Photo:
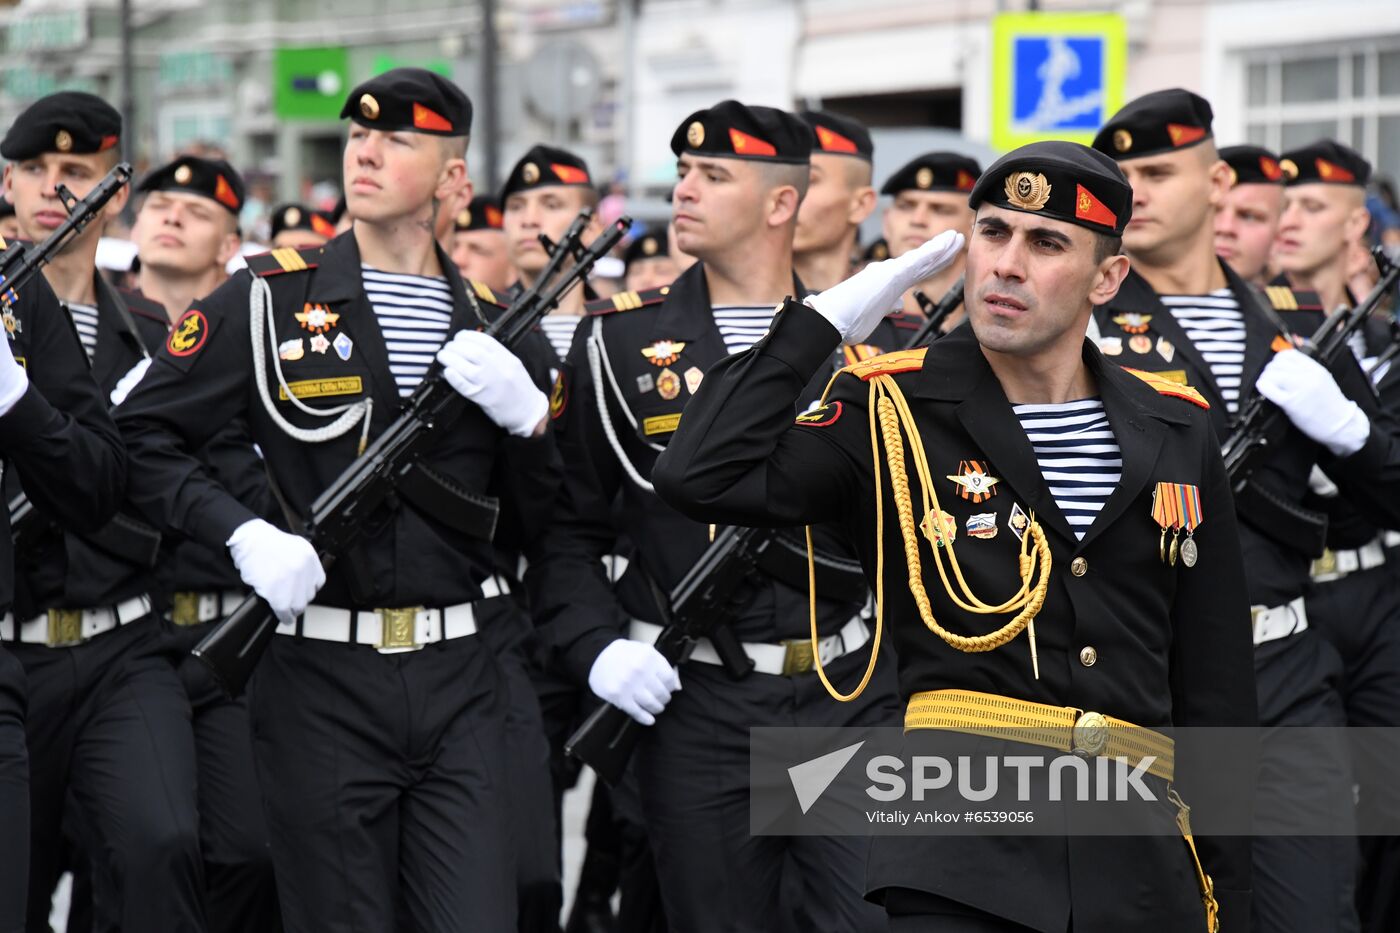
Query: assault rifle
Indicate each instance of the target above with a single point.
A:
(935, 314)
(347, 508)
(19, 263)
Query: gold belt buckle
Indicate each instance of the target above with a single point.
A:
(398, 628)
(797, 656)
(1324, 565)
(184, 609)
(1090, 734)
(65, 628)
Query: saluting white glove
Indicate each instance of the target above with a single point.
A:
(1312, 400)
(634, 677)
(128, 382)
(13, 379)
(856, 306)
(483, 370)
(282, 568)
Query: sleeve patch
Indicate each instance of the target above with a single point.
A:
(822, 416)
(188, 335)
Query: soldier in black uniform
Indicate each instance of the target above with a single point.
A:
(1120, 629)
(1184, 315)
(636, 361)
(186, 230)
(479, 244)
(108, 719)
(377, 732)
(929, 196)
(838, 200)
(1247, 219)
(9, 224)
(649, 263)
(298, 226)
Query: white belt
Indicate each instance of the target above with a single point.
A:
(1333, 565)
(188, 608)
(1279, 622)
(392, 630)
(1392, 538)
(64, 628)
(788, 658)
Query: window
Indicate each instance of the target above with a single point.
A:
(1350, 92)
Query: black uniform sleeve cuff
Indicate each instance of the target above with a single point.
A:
(1370, 460)
(29, 416)
(578, 658)
(801, 338)
(217, 523)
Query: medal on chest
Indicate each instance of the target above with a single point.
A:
(1176, 507)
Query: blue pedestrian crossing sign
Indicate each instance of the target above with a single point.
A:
(1055, 75)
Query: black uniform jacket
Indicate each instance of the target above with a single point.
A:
(1277, 565)
(1173, 644)
(204, 378)
(58, 440)
(644, 395)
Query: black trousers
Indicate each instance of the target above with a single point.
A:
(14, 796)
(1304, 884)
(110, 722)
(922, 912)
(693, 771)
(1359, 615)
(384, 782)
(240, 888)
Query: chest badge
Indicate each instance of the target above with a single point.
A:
(1133, 322)
(973, 481)
(343, 345)
(664, 352)
(1111, 346)
(291, 350)
(693, 377)
(12, 324)
(319, 344)
(1176, 507)
(1018, 521)
(982, 525)
(316, 318)
(1140, 344)
(668, 384)
(940, 528)
(1164, 347)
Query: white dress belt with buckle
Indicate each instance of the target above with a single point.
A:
(62, 628)
(790, 657)
(1392, 538)
(196, 608)
(1333, 565)
(393, 630)
(1279, 621)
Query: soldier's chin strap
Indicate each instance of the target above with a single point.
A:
(263, 332)
(889, 410)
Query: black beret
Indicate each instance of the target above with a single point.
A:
(878, 251)
(212, 178)
(839, 135)
(301, 217)
(647, 246)
(1252, 165)
(546, 167)
(935, 171)
(483, 213)
(413, 99)
(1162, 121)
(6, 208)
(1061, 180)
(731, 130)
(1326, 161)
(69, 121)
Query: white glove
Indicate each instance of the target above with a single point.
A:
(856, 306)
(634, 677)
(13, 379)
(281, 568)
(483, 370)
(128, 382)
(1311, 399)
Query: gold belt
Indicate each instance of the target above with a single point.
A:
(1065, 728)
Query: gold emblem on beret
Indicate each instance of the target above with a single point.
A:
(530, 173)
(1234, 176)
(292, 217)
(369, 107)
(1122, 140)
(464, 219)
(63, 141)
(924, 177)
(1027, 191)
(1288, 167)
(880, 252)
(695, 134)
(183, 175)
(649, 246)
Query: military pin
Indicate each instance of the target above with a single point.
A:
(693, 376)
(319, 344)
(343, 345)
(1017, 521)
(1164, 347)
(1133, 323)
(1172, 552)
(1111, 346)
(12, 324)
(982, 525)
(1189, 553)
(1140, 344)
(668, 384)
(291, 350)
(664, 352)
(646, 382)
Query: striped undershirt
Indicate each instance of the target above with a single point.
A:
(559, 328)
(742, 326)
(414, 313)
(1078, 456)
(85, 320)
(1215, 327)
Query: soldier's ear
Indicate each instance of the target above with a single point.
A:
(1108, 279)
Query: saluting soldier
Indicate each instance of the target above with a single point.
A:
(298, 226)
(636, 362)
(929, 196)
(378, 732)
(1186, 316)
(1246, 220)
(108, 719)
(1044, 464)
(479, 244)
(838, 200)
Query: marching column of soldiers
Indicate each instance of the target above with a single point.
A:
(1104, 318)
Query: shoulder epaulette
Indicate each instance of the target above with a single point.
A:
(1281, 297)
(901, 361)
(1167, 387)
(286, 259)
(905, 320)
(483, 292)
(627, 301)
(143, 306)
